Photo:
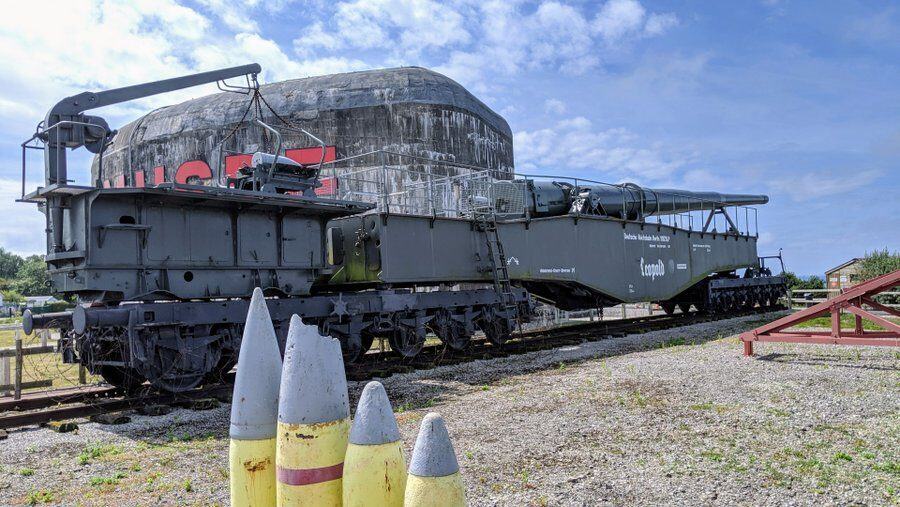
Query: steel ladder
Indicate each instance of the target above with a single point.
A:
(487, 223)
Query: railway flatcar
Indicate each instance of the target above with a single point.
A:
(395, 245)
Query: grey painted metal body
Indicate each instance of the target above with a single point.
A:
(433, 454)
(164, 273)
(177, 241)
(575, 261)
(374, 422)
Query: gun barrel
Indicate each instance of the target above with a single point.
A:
(627, 200)
(666, 200)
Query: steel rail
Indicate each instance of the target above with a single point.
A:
(71, 403)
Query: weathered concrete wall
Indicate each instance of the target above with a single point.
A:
(408, 110)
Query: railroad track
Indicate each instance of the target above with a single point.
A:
(70, 403)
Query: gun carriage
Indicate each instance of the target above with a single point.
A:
(163, 274)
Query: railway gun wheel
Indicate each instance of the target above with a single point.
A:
(718, 303)
(684, 307)
(669, 308)
(122, 376)
(745, 301)
(731, 302)
(179, 359)
(773, 298)
(353, 354)
(452, 333)
(220, 370)
(228, 357)
(407, 341)
(497, 331)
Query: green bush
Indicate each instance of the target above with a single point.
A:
(58, 306)
(877, 263)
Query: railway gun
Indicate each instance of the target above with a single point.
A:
(163, 274)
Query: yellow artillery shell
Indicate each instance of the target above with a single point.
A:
(310, 462)
(447, 491)
(252, 472)
(374, 475)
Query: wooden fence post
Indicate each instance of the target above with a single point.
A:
(5, 374)
(17, 388)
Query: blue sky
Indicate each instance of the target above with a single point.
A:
(798, 100)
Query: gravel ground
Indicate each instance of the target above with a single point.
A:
(669, 417)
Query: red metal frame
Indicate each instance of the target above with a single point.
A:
(850, 300)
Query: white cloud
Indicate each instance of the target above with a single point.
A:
(704, 179)
(816, 185)
(554, 106)
(622, 20)
(609, 155)
(657, 24)
(618, 18)
(276, 64)
(22, 226)
(234, 15)
(477, 39)
(410, 26)
(117, 44)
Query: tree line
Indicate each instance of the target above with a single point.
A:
(22, 276)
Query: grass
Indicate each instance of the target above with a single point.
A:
(96, 451)
(848, 321)
(40, 496)
(710, 406)
(7, 338)
(42, 366)
(108, 481)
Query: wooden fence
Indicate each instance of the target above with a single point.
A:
(12, 365)
(804, 298)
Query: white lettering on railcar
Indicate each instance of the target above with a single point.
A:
(653, 270)
(557, 271)
(655, 238)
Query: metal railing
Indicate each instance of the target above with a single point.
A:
(409, 184)
(804, 298)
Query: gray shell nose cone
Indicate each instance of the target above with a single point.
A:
(433, 454)
(313, 383)
(254, 406)
(374, 422)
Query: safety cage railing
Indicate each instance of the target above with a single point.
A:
(409, 184)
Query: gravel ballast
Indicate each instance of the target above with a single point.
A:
(669, 417)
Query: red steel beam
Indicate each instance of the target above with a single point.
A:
(850, 300)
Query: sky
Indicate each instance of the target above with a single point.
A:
(795, 99)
